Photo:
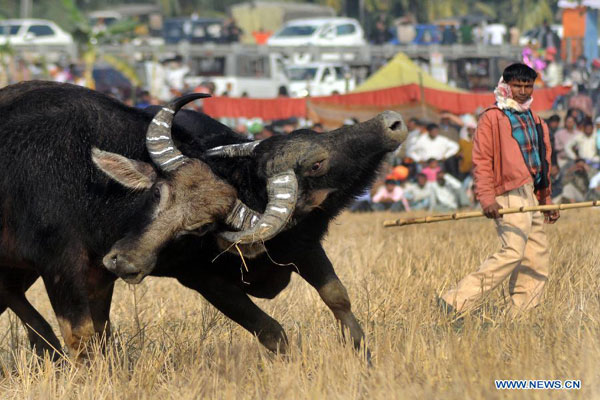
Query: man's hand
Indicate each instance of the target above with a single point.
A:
(551, 217)
(492, 211)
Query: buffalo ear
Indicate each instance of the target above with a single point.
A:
(133, 174)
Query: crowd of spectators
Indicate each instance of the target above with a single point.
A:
(432, 170)
(406, 30)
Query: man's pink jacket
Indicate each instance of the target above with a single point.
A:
(498, 163)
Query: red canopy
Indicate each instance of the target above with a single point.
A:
(456, 103)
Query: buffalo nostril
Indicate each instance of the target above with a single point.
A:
(396, 125)
(392, 120)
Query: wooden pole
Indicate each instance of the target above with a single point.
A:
(476, 214)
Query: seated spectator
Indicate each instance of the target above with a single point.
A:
(390, 196)
(576, 181)
(431, 170)
(318, 127)
(594, 189)
(419, 193)
(562, 137)
(433, 146)
(362, 203)
(144, 99)
(556, 183)
(583, 145)
(447, 194)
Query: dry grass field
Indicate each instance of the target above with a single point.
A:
(171, 344)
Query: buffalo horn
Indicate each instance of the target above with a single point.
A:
(233, 150)
(159, 142)
(282, 190)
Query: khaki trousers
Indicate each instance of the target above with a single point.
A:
(523, 256)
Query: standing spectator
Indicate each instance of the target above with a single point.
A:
(478, 34)
(494, 34)
(583, 145)
(390, 196)
(510, 171)
(380, 33)
(405, 30)
(465, 149)
(419, 193)
(547, 38)
(432, 145)
(553, 74)
(232, 32)
(562, 137)
(466, 33)
(594, 80)
(513, 35)
(415, 129)
(448, 128)
(579, 74)
(449, 35)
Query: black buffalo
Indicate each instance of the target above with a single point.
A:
(289, 188)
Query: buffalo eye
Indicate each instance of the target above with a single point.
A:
(316, 166)
(156, 192)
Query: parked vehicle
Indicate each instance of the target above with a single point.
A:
(197, 30)
(319, 32)
(268, 16)
(147, 18)
(237, 75)
(319, 79)
(23, 32)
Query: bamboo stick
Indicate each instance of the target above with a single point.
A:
(476, 214)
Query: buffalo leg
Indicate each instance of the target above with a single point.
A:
(235, 304)
(314, 266)
(41, 336)
(100, 285)
(69, 298)
(14, 284)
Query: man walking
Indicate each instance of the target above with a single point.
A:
(512, 158)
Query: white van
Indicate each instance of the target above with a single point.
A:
(319, 79)
(237, 74)
(23, 32)
(319, 32)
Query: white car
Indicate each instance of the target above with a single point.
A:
(19, 32)
(319, 32)
(319, 79)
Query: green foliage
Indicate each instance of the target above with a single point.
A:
(70, 14)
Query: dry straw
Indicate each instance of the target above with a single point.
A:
(476, 214)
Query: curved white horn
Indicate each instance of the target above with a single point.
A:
(283, 192)
(159, 141)
(233, 150)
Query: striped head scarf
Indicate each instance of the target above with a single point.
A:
(504, 98)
